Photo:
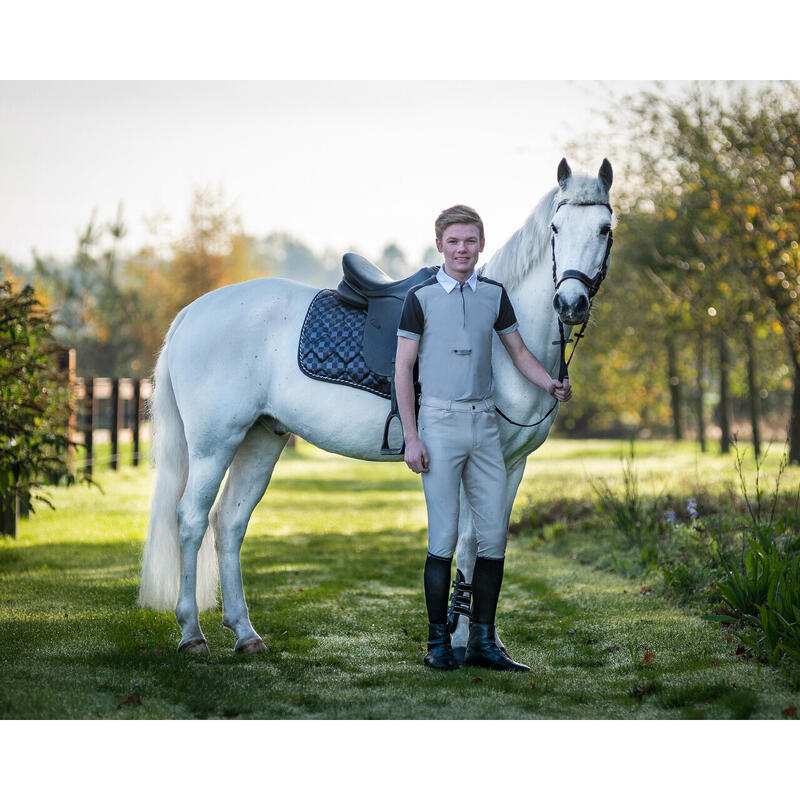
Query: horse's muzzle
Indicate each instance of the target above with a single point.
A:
(573, 312)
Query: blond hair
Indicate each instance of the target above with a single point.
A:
(455, 215)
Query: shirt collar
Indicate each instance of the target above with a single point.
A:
(448, 283)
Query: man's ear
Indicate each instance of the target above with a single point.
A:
(439, 246)
(483, 244)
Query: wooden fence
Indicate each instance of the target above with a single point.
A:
(110, 410)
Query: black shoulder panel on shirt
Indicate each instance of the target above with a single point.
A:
(430, 282)
(489, 280)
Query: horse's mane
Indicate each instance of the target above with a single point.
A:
(512, 262)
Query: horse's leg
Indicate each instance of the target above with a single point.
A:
(467, 551)
(247, 481)
(202, 484)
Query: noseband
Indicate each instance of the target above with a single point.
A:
(593, 286)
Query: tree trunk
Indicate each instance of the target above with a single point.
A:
(724, 394)
(752, 389)
(9, 512)
(701, 413)
(674, 389)
(794, 424)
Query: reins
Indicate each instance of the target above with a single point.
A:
(593, 286)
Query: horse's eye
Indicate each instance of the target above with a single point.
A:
(605, 230)
(553, 228)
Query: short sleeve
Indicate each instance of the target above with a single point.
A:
(506, 321)
(412, 320)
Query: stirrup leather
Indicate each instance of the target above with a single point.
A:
(460, 601)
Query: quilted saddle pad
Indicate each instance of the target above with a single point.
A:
(332, 343)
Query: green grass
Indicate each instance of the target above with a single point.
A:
(332, 566)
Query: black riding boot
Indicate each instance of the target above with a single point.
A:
(437, 584)
(482, 649)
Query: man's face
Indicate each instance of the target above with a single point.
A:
(461, 245)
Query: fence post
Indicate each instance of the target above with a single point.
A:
(136, 412)
(114, 423)
(67, 362)
(88, 423)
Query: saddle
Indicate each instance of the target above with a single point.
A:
(364, 285)
(350, 335)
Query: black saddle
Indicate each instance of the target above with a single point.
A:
(366, 286)
(362, 280)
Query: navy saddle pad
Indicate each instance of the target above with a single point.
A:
(332, 345)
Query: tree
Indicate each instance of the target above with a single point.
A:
(93, 309)
(212, 252)
(712, 215)
(34, 402)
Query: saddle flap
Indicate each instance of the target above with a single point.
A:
(380, 334)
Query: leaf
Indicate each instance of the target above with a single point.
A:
(478, 680)
(791, 711)
(648, 658)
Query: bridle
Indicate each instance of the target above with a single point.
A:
(592, 286)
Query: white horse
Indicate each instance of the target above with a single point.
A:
(228, 392)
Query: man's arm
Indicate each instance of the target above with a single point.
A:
(527, 363)
(416, 456)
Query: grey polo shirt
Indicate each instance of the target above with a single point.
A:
(453, 323)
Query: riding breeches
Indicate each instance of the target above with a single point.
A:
(463, 444)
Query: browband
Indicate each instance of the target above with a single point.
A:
(571, 203)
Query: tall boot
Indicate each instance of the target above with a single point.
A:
(437, 584)
(482, 649)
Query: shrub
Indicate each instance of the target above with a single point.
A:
(34, 401)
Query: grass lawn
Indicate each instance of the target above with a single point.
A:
(332, 568)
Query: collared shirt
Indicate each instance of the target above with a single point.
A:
(449, 283)
(454, 328)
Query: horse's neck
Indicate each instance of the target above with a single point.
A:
(525, 272)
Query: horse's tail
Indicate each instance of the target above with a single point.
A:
(161, 563)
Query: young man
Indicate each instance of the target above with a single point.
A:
(447, 322)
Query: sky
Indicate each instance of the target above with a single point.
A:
(340, 125)
(341, 165)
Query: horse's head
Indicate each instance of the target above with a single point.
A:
(580, 240)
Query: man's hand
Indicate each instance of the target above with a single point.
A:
(561, 391)
(416, 456)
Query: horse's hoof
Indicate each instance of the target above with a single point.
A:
(195, 646)
(459, 653)
(251, 646)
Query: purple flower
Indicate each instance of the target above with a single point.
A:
(691, 508)
(670, 517)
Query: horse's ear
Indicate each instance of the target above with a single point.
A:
(564, 172)
(606, 174)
